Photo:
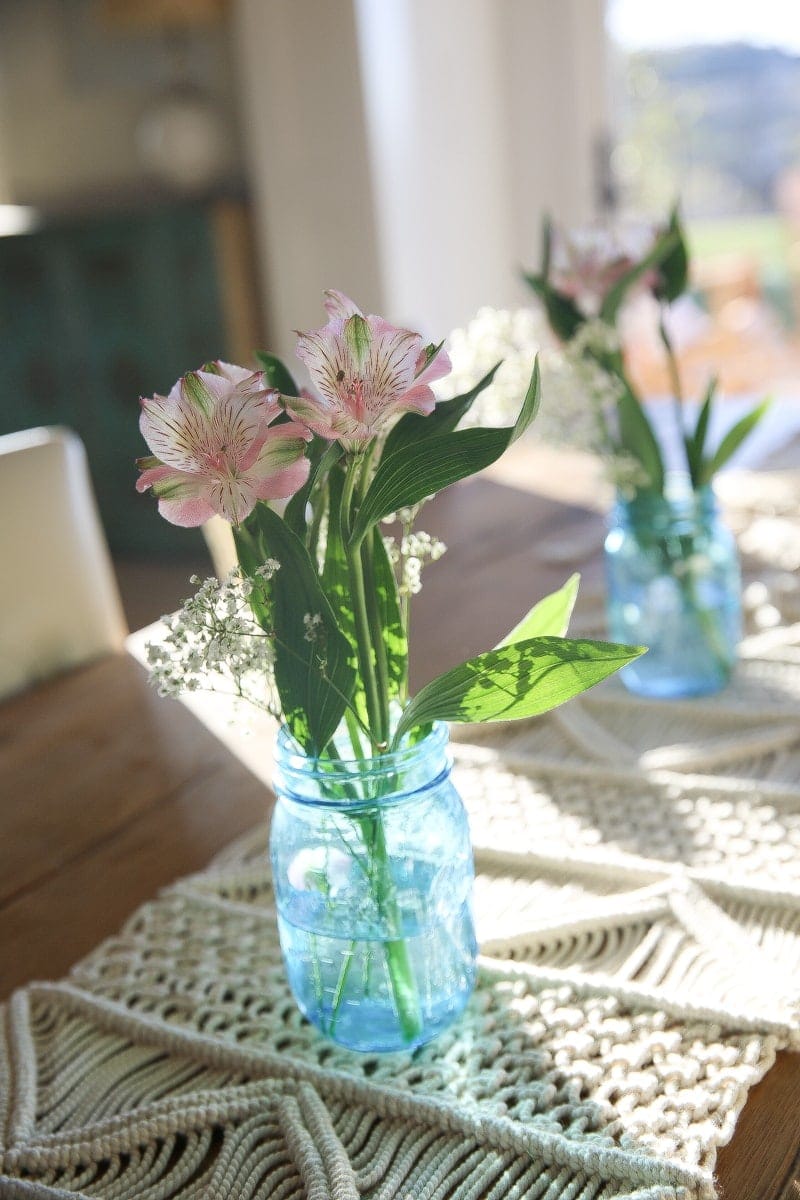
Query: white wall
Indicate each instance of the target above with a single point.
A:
(481, 116)
(557, 97)
(306, 147)
(405, 150)
(433, 81)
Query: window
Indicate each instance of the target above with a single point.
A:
(706, 101)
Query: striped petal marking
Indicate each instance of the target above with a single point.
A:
(365, 371)
(214, 450)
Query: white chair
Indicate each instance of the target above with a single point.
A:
(59, 602)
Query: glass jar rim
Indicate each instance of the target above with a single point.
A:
(296, 769)
(678, 502)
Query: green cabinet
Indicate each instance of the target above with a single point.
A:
(95, 314)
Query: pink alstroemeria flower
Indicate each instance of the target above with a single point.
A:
(588, 261)
(366, 373)
(215, 451)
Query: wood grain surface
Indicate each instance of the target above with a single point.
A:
(108, 792)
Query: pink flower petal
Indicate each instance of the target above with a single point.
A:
(339, 305)
(232, 499)
(233, 373)
(281, 467)
(419, 398)
(313, 413)
(155, 474)
(284, 483)
(234, 425)
(254, 385)
(282, 446)
(327, 357)
(171, 430)
(188, 512)
(180, 495)
(365, 371)
(438, 367)
(203, 390)
(177, 427)
(393, 357)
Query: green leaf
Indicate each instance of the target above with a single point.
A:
(422, 469)
(701, 425)
(548, 618)
(673, 270)
(336, 582)
(431, 350)
(637, 438)
(520, 680)
(276, 373)
(691, 460)
(661, 250)
(323, 455)
(562, 312)
(314, 678)
(380, 580)
(732, 441)
(392, 630)
(547, 247)
(444, 418)
(695, 443)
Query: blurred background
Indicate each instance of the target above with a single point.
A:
(181, 179)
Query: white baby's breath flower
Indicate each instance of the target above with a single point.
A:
(214, 642)
(392, 549)
(510, 337)
(312, 623)
(411, 582)
(267, 569)
(578, 399)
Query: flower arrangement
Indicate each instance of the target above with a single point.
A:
(314, 623)
(585, 278)
(671, 565)
(320, 581)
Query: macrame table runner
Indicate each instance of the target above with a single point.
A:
(638, 903)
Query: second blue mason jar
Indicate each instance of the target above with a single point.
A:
(674, 585)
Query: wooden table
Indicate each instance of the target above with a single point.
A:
(108, 792)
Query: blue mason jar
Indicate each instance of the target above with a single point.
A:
(673, 584)
(372, 869)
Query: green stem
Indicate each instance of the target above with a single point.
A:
(352, 723)
(677, 390)
(405, 604)
(358, 597)
(679, 552)
(378, 643)
(708, 621)
(369, 642)
(312, 534)
(401, 972)
(318, 989)
(338, 995)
